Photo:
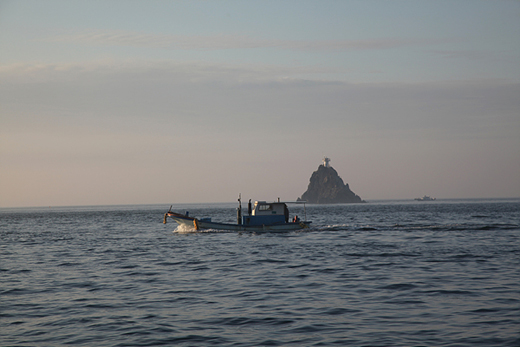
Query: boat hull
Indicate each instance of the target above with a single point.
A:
(195, 224)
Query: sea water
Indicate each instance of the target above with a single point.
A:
(387, 273)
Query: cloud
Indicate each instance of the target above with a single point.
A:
(193, 70)
(212, 99)
(224, 42)
(467, 55)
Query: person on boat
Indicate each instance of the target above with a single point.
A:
(249, 209)
(296, 219)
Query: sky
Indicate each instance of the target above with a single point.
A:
(159, 102)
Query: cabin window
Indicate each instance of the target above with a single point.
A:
(265, 208)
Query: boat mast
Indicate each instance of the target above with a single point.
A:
(239, 209)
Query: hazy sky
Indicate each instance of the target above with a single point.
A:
(135, 102)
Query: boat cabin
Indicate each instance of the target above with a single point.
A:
(267, 213)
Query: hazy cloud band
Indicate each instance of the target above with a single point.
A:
(223, 42)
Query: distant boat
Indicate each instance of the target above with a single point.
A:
(263, 216)
(425, 198)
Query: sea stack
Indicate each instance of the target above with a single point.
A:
(326, 187)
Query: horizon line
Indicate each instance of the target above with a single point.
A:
(233, 202)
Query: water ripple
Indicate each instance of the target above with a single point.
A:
(396, 274)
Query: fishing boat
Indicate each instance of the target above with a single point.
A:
(262, 216)
(425, 198)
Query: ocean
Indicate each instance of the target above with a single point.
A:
(384, 273)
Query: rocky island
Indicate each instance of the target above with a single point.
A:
(326, 187)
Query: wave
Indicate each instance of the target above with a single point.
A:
(183, 229)
(420, 227)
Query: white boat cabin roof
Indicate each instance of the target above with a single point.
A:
(262, 208)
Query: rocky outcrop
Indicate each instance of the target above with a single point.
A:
(326, 187)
